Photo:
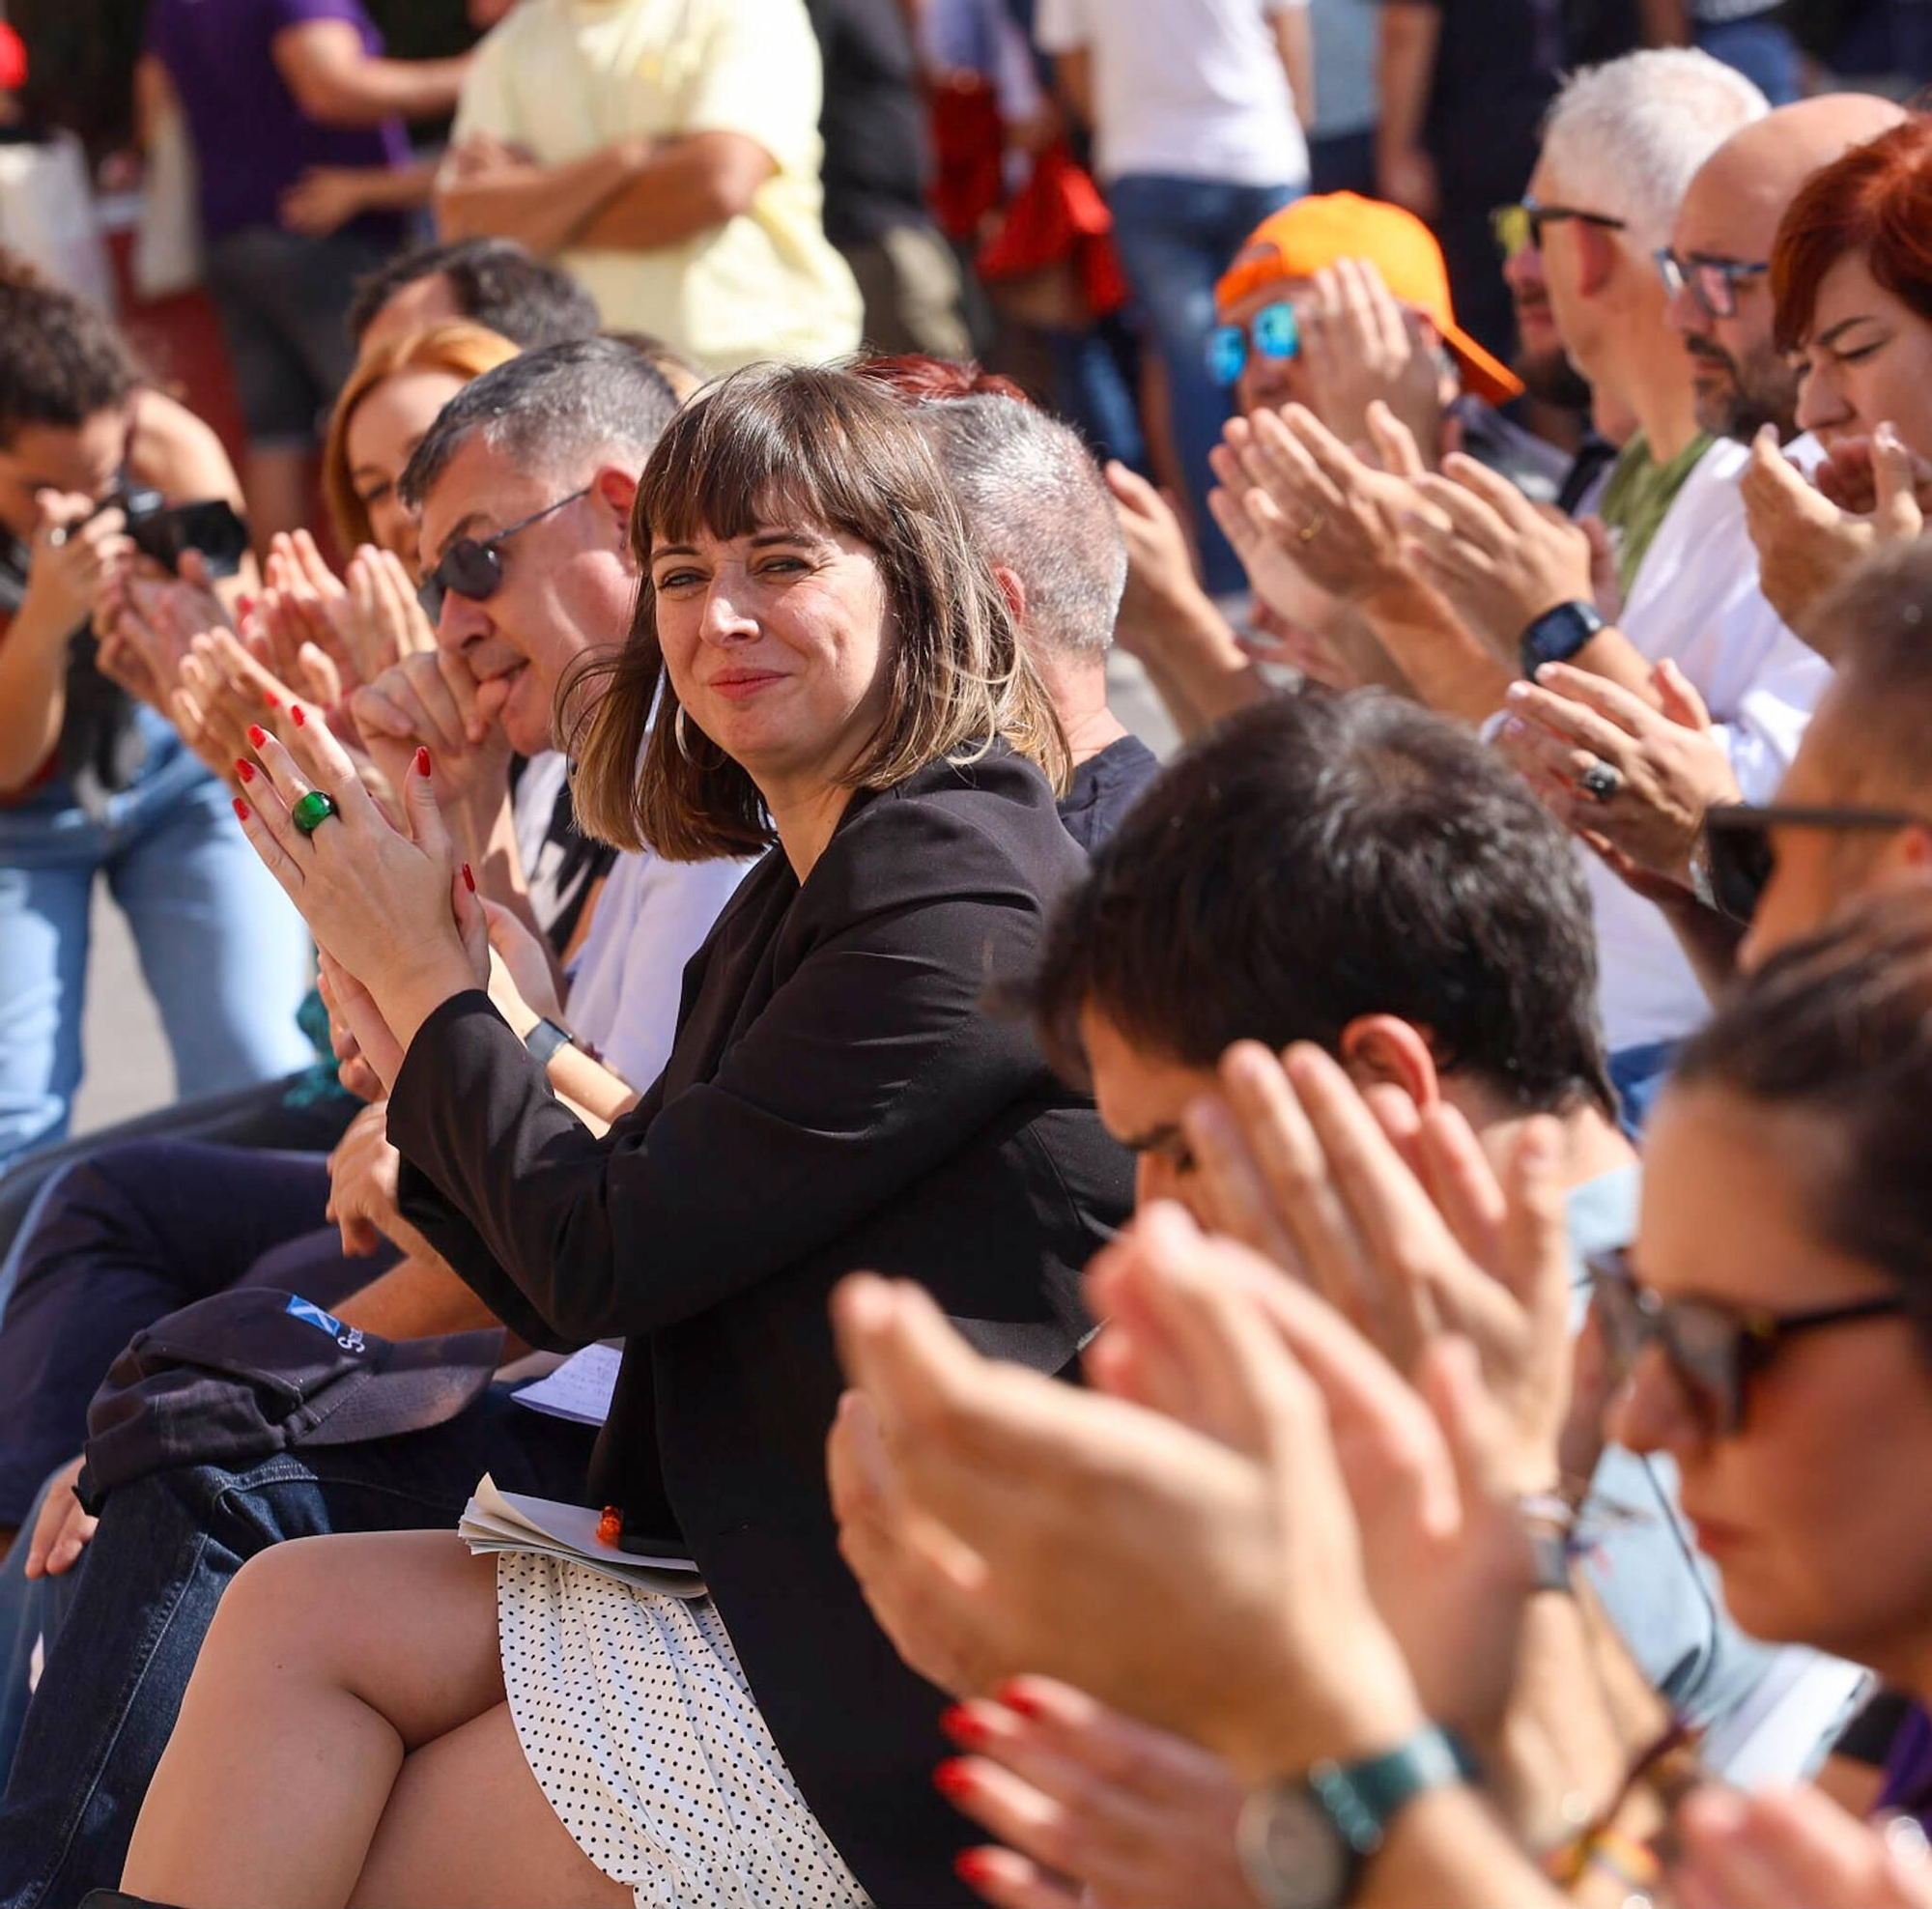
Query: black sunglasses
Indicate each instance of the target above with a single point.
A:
(1522, 224)
(473, 567)
(1741, 854)
(1713, 282)
(1712, 1350)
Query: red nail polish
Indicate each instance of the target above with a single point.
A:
(973, 1865)
(256, 735)
(962, 1726)
(244, 606)
(240, 810)
(469, 881)
(271, 698)
(245, 769)
(422, 761)
(952, 1779)
(296, 710)
(1020, 1700)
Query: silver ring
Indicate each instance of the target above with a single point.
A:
(1600, 781)
(57, 536)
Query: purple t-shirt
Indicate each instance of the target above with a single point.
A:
(1908, 1769)
(251, 140)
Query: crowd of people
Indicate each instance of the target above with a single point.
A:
(1338, 1318)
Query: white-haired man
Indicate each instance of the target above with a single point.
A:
(1623, 143)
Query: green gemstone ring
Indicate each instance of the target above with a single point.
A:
(312, 811)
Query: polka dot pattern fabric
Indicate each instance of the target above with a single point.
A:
(644, 1735)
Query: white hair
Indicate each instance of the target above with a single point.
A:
(1626, 138)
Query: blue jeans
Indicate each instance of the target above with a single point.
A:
(1175, 238)
(30, 1611)
(129, 1236)
(225, 955)
(146, 1593)
(1761, 49)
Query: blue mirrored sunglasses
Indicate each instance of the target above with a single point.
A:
(1275, 332)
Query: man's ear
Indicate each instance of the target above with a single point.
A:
(1596, 257)
(1014, 590)
(1386, 1049)
(614, 491)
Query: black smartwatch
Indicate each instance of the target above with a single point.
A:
(546, 1039)
(1305, 1844)
(1557, 634)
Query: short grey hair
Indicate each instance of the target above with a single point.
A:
(549, 408)
(1627, 137)
(1037, 504)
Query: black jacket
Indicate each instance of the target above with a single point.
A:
(837, 1099)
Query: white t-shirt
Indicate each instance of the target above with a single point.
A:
(1696, 600)
(628, 978)
(1185, 89)
(568, 77)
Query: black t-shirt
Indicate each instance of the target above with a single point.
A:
(1498, 63)
(873, 120)
(1104, 789)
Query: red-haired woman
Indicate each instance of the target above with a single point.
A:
(1852, 273)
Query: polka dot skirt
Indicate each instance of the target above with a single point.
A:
(644, 1735)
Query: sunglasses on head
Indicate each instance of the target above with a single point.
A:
(1522, 224)
(1712, 1350)
(1741, 851)
(1711, 282)
(1276, 333)
(473, 567)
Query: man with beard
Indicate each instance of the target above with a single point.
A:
(1718, 265)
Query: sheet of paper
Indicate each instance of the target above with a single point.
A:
(580, 1389)
(495, 1520)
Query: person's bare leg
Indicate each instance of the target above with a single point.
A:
(328, 1660)
(275, 483)
(468, 1828)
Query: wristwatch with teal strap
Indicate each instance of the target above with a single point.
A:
(1304, 1844)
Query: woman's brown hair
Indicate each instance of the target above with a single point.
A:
(820, 446)
(458, 347)
(1838, 1028)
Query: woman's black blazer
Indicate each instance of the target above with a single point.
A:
(837, 1098)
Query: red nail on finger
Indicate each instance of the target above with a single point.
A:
(296, 710)
(271, 698)
(469, 881)
(422, 761)
(962, 1726)
(256, 735)
(245, 769)
(953, 1779)
(240, 810)
(973, 1865)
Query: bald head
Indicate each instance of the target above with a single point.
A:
(1730, 217)
(1739, 193)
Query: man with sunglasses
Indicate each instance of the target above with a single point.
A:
(1716, 267)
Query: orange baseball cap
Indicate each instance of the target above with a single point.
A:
(1299, 240)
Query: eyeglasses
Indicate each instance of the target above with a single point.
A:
(1712, 1350)
(473, 568)
(1711, 282)
(1740, 853)
(1522, 224)
(1276, 333)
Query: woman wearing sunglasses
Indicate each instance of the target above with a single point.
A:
(821, 667)
(1774, 1320)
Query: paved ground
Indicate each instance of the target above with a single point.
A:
(128, 1067)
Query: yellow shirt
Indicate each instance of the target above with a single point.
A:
(568, 77)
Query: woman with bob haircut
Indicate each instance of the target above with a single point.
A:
(386, 404)
(1851, 271)
(823, 669)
